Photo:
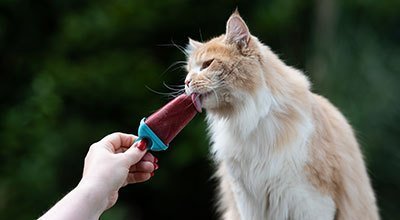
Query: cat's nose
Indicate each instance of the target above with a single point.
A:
(187, 82)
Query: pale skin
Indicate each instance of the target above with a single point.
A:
(110, 164)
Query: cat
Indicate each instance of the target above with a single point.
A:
(282, 152)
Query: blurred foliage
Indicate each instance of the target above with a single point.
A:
(73, 71)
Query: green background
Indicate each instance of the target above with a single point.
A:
(72, 71)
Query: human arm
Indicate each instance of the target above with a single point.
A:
(110, 164)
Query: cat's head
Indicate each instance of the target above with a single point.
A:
(226, 70)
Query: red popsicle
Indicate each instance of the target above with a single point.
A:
(168, 121)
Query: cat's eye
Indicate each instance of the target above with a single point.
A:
(206, 64)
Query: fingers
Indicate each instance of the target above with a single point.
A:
(134, 154)
(143, 170)
(115, 141)
(150, 157)
(138, 177)
(143, 166)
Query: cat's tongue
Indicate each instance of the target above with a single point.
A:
(196, 101)
(168, 121)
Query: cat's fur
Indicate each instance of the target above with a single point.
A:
(282, 151)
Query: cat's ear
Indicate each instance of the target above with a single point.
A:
(237, 31)
(193, 45)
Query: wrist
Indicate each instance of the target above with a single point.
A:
(94, 194)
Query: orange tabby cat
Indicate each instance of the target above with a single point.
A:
(282, 151)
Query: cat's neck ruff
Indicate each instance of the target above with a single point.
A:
(244, 119)
(254, 123)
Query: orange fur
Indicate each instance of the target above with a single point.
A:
(242, 65)
(336, 165)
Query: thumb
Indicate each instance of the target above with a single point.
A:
(135, 153)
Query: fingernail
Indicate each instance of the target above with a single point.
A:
(142, 145)
(155, 166)
(155, 159)
(152, 174)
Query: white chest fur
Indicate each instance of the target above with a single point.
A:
(266, 183)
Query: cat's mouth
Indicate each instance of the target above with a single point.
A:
(197, 100)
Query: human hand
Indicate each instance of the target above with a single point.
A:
(114, 162)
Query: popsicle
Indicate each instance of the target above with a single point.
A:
(160, 128)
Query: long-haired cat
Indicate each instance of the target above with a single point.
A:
(282, 151)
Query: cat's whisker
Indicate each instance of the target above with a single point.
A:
(180, 48)
(222, 79)
(179, 88)
(208, 81)
(166, 94)
(176, 65)
(216, 95)
(201, 35)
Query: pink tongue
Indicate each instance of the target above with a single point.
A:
(196, 101)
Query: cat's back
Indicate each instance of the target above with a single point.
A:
(336, 164)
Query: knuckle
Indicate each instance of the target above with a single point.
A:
(111, 136)
(116, 134)
(93, 146)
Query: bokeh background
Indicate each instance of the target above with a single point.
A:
(72, 71)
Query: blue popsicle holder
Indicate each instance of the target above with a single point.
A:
(154, 142)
